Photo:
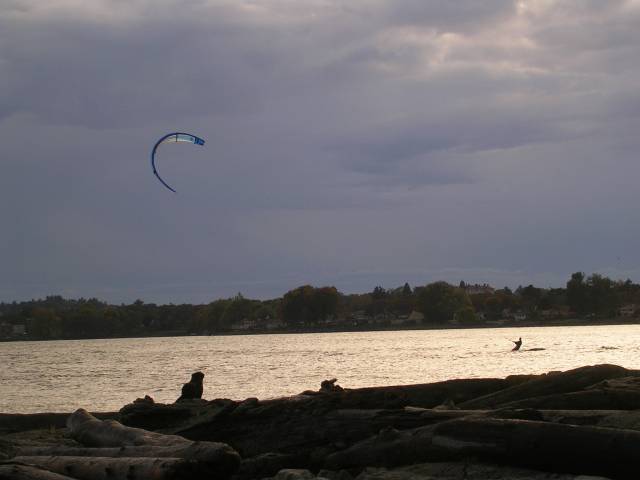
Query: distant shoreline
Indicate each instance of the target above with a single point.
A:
(367, 328)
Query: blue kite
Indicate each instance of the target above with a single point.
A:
(175, 137)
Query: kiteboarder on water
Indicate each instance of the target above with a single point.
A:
(518, 344)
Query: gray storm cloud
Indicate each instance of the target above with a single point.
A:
(347, 144)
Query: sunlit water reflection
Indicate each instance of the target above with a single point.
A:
(103, 375)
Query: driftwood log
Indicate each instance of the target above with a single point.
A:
(19, 422)
(26, 472)
(426, 395)
(299, 428)
(430, 395)
(298, 425)
(88, 430)
(591, 399)
(208, 452)
(557, 383)
(101, 468)
(119, 452)
(463, 471)
(546, 446)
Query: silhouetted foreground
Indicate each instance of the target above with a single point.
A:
(559, 425)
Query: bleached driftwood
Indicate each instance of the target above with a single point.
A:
(88, 430)
(14, 471)
(211, 452)
(143, 450)
(122, 468)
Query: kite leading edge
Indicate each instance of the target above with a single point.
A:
(175, 137)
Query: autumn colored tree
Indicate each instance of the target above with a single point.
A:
(307, 304)
(439, 302)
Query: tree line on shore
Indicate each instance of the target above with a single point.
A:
(307, 307)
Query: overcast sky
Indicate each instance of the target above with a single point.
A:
(348, 143)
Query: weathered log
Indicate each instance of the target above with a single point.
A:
(426, 395)
(547, 446)
(155, 416)
(122, 468)
(609, 398)
(267, 465)
(7, 449)
(294, 474)
(137, 443)
(303, 430)
(181, 417)
(464, 471)
(201, 451)
(160, 416)
(14, 471)
(218, 455)
(91, 432)
(625, 419)
(19, 422)
(550, 384)
(300, 424)
(570, 417)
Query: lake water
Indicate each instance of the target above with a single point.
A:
(103, 375)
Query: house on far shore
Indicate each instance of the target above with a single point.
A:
(629, 310)
(360, 317)
(9, 331)
(244, 324)
(416, 316)
(502, 321)
(274, 324)
(478, 289)
(5, 329)
(519, 316)
(554, 313)
(19, 330)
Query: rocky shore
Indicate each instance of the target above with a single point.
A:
(579, 424)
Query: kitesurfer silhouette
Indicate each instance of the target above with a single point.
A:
(518, 344)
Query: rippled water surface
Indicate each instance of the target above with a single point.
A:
(103, 375)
